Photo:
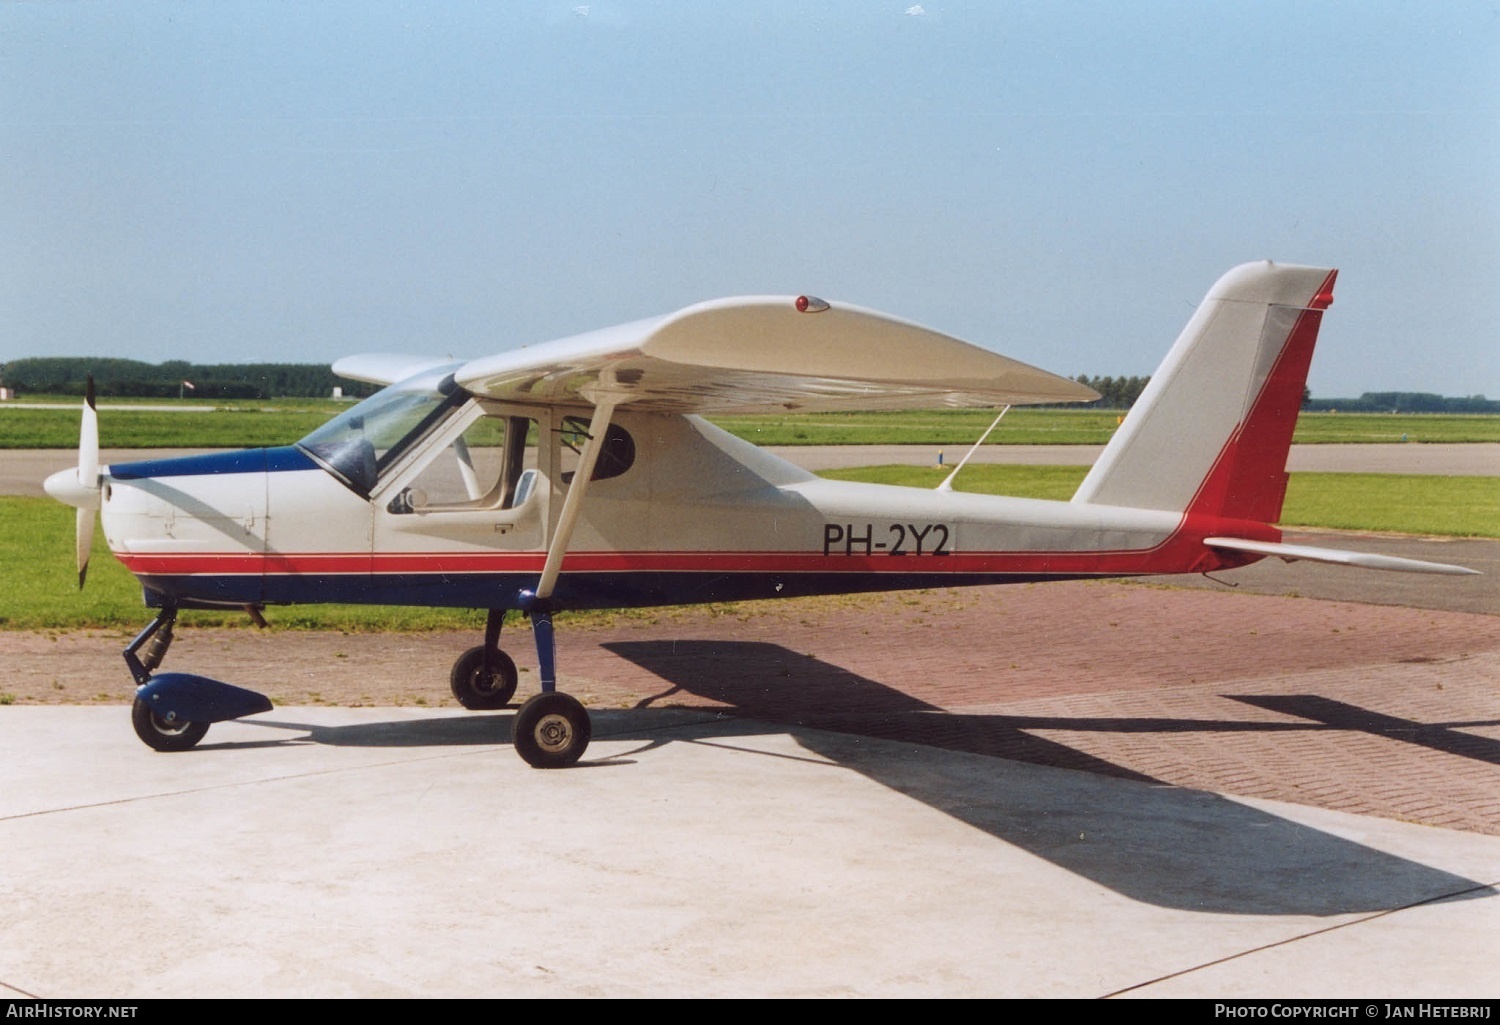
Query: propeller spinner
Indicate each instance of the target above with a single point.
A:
(80, 487)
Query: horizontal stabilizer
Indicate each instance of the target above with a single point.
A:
(1339, 557)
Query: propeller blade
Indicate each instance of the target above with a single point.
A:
(81, 488)
(88, 477)
(85, 542)
(88, 438)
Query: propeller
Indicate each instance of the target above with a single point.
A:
(80, 487)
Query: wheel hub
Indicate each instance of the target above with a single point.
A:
(168, 724)
(553, 732)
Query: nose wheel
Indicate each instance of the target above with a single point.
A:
(164, 733)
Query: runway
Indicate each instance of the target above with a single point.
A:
(1477, 460)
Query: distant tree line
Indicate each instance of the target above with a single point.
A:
(1114, 392)
(128, 377)
(1121, 393)
(1404, 402)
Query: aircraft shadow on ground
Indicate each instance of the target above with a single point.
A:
(448, 731)
(1446, 737)
(1150, 841)
(1156, 843)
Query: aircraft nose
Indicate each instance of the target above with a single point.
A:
(65, 486)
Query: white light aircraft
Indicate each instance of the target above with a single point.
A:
(579, 474)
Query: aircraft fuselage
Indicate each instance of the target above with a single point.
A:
(696, 516)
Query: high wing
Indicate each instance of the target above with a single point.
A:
(756, 354)
(385, 367)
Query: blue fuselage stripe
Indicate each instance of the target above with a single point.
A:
(250, 460)
(574, 590)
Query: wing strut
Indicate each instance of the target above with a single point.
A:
(539, 607)
(947, 484)
(466, 469)
(598, 426)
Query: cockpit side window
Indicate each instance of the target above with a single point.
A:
(490, 466)
(616, 455)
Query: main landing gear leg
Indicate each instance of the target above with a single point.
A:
(485, 677)
(552, 729)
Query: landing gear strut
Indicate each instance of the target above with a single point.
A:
(156, 639)
(552, 729)
(160, 732)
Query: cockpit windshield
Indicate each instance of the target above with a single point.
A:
(358, 444)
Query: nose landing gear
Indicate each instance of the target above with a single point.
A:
(173, 711)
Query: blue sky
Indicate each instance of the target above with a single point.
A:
(1060, 182)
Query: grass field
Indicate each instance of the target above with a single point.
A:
(1079, 427)
(36, 543)
(248, 424)
(230, 426)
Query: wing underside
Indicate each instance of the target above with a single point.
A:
(765, 354)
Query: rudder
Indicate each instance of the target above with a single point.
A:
(1209, 436)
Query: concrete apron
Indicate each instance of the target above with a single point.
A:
(408, 852)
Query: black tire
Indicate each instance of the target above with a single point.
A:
(480, 691)
(161, 735)
(551, 731)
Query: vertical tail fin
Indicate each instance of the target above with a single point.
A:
(1210, 434)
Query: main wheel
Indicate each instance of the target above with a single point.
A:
(162, 734)
(479, 690)
(551, 730)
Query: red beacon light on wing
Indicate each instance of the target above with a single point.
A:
(810, 304)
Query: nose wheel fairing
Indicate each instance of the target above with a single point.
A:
(174, 710)
(178, 697)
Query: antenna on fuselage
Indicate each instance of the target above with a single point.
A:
(947, 484)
